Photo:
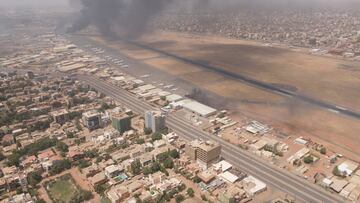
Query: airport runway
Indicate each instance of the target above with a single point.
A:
(249, 163)
(256, 83)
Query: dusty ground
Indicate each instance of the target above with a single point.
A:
(81, 181)
(333, 80)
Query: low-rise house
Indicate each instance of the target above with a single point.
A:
(118, 194)
(253, 185)
(45, 155)
(159, 143)
(28, 161)
(113, 171)
(229, 177)
(75, 154)
(231, 192)
(207, 176)
(348, 167)
(90, 171)
(98, 179)
(3, 185)
(146, 159)
(9, 149)
(7, 140)
(20, 198)
(338, 184)
(61, 116)
(347, 190)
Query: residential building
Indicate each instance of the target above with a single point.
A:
(98, 179)
(154, 120)
(205, 153)
(61, 116)
(121, 122)
(113, 171)
(92, 119)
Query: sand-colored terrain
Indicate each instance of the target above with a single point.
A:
(328, 79)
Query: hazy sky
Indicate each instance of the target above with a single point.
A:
(33, 3)
(271, 3)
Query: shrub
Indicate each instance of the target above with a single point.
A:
(181, 187)
(179, 198)
(323, 150)
(174, 154)
(147, 131)
(60, 166)
(34, 178)
(190, 192)
(196, 179)
(62, 147)
(140, 141)
(156, 136)
(168, 163)
(308, 159)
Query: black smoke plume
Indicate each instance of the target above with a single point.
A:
(118, 17)
(126, 18)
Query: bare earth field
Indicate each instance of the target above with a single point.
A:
(328, 79)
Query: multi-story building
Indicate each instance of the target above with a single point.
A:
(121, 122)
(92, 119)
(60, 116)
(205, 153)
(154, 120)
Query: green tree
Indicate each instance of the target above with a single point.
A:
(232, 200)
(60, 166)
(62, 147)
(100, 189)
(140, 141)
(308, 159)
(190, 192)
(163, 156)
(156, 136)
(196, 179)
(174, 154)
(147, 170)
(31, 149)
(179, 198)
(34, 178)
(92, 153)
(83, 164)
(155, 167)
(323, 150)
(168, 163)
(182, 187)
(70, 135)
(147, 131)
(136, 167)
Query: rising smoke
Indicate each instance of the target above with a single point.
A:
(130, 18)
(126, 18)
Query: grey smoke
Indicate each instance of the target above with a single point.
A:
(130, 18)
(118, 17)
(123, 17)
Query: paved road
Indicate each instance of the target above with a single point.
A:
(249, 163)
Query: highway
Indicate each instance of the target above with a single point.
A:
(247, 162)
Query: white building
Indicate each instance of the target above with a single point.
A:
(154, 120)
